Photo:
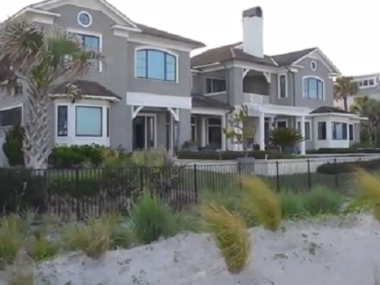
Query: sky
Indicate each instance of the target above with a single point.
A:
(345, 31)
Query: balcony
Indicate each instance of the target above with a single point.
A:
(256, 99)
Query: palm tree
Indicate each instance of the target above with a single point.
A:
(343, 88)
(39, 58)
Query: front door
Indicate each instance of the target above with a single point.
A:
(144, 132)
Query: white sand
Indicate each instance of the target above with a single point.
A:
(337, 251)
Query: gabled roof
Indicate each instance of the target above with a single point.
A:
(86, 87)
(202, 101)
(235, 52)
(227, 53)
(139, 27)
(289, 58)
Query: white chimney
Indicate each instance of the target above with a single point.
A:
(253, 32)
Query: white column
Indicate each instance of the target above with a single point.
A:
(271, 123)
(262, 131)
(203, 131)
(348, 135)
(224, 125)
(303, 143)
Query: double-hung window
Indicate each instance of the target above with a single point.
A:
(339, 131)
(313, 88)
(156, 65)
(92, 43)
(282, 86)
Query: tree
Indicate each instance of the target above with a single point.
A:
(39, 58)
(370, 108)
(285, 137)
(241, 128)
(343, 88)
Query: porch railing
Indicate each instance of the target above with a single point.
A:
(256, 99)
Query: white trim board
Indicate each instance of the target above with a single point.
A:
(323, 58)
(157, 100)
(208, 111)
(279, 110)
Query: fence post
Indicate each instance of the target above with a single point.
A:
(308, 174)
(195, 183)
(278, 176)
(336, 174)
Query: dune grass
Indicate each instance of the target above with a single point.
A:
(368, 186)
(230, 234)
(262, 201)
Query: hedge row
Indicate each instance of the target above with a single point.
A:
(348, 167)
(344, 150)
(231, 155)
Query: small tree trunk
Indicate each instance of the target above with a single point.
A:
(36, 143)
(345, 104)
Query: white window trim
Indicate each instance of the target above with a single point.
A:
(347, 130)
(281, 121)
(163, 50)
(151, 115)
(214, 125)
(353, 132)
(311, 65)
(279, 85)
(88, 33)
(214, 93)
(318, 78)
(71, 138)
(14, 107)
(89, 16)
(310, 129)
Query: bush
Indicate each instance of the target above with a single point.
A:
(230, 234)
(262, 201)
(75, 155)
(12, 146)
(230, 155)
(151, 219)
(40, 248)
(348, 166)
(292, 205)
(352, 150)
(322, 200)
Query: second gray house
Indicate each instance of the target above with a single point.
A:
(152, 93)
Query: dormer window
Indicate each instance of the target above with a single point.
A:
(156, 64)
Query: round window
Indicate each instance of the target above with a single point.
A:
(84, 19)
(313, 65)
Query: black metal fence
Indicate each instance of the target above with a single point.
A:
(76, 193)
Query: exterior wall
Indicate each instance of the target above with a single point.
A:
(322, 73)
(256, 84)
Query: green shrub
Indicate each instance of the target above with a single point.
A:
(292, 205)
(322, 200)
(12, 146)
(151, 219)
(75, 155)
(348, 166)
(230, 155)
(352, 150)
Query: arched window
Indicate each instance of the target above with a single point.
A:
(156, 64)
(313, 88)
